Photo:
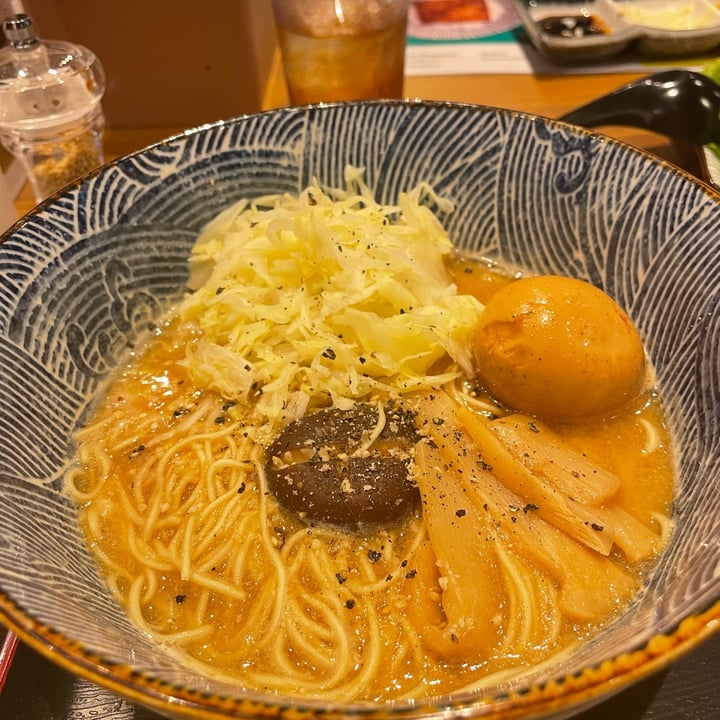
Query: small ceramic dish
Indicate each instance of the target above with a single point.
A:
(597, 29)
(576, 31)
(672, 27)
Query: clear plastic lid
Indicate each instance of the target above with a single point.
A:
(48, 83)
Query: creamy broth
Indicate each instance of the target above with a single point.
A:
(175, 505)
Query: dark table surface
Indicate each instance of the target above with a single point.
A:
(36, 689)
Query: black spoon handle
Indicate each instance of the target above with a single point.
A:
(678, 103)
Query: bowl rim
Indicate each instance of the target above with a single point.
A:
(408, 102)
(573, 691)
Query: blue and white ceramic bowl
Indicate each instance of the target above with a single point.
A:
(83, 272)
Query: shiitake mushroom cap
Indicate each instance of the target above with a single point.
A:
(322, 469)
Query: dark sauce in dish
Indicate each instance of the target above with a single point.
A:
(573, 26)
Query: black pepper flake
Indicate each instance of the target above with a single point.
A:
(179, 412)
(139, 449)
(241, 489)
(180, 599)
(329, 353)
(410, 574)
(404, 563)
(460, 513)
(374, 555)
(280, 536)
(438, 421)
(362, 360)
(596, 527)
(454, 638)
(388, 578)
(219, 290)
(513, 518)
(533, 427)
(311, 199)
(341, 577)
(220, 420)
(350, 604)
(530, 507)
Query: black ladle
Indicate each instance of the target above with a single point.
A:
(681, 104)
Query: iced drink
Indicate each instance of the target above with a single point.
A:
(342, 49)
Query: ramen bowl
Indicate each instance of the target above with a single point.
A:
(83, 274)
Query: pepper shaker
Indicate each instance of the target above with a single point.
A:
(51, 116)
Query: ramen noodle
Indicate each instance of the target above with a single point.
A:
(315, 478)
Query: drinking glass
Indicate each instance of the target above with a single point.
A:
(342, 49)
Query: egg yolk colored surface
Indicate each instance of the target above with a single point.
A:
(558, 348)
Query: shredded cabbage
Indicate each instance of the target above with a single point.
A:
(324, 298)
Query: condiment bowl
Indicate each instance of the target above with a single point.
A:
(83, 274)
(585, 32)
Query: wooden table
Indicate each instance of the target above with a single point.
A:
(550, 96)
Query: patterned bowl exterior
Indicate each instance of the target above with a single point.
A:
(83, 272)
